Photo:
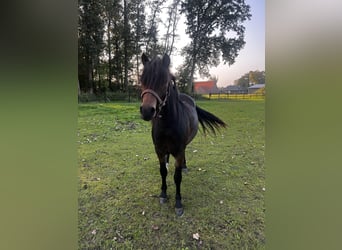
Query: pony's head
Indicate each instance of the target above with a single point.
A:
(155, 83)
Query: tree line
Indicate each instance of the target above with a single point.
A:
(112, 34)
(250, 78)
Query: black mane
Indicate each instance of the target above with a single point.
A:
(155, 74)
(172, 107)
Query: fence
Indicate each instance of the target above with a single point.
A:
(135, 96)
(109, 97)
(228, 96)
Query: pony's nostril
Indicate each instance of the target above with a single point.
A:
(147, 113)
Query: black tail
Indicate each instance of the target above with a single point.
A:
(208, 120)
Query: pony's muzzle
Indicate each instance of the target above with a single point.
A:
(147, 113)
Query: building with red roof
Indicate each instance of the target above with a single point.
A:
(205, 87)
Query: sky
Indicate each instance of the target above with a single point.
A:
(251, 57)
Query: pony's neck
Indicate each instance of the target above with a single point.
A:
(171, 110)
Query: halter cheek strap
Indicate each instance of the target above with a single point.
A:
(150, 91)
(160, 103)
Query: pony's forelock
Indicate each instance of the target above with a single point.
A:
(155, 75)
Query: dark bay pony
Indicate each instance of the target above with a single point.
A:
(174, 117)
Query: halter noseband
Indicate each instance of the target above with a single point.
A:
(160, 103)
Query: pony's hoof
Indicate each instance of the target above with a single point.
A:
(179, 211)
(162, 200)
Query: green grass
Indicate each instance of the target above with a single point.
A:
(119, 182)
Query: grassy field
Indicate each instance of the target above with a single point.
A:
(119, 182)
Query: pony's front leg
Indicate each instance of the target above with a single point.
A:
(178, 180)
(163, 174)
(167, 158)
(184, 167)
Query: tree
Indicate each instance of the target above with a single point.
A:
(90, 43)
(118, 55)
(243, 81)
(137, 18)
(183, 76)
(126, 36)
(171, 27)
(259, 77)
(152, 46)
(111, 16)
(111, 35)
(215, 29)
(250, 78)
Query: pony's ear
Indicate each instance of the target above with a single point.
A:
(166, 60)
(144, 58)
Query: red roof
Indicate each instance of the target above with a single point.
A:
(205, 87)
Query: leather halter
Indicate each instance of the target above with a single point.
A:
(160, 103)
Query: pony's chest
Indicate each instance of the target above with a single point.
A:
(167, 133)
